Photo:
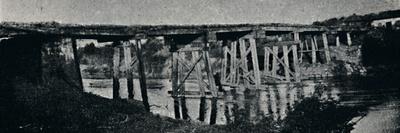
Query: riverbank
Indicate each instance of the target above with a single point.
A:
(64, 109)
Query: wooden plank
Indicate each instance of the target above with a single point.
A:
(348, 39)
(315, 42)
(128, 68)
(233, 62)
(337, 41)
(266, 61)
(77, 62)
(214, 91)
(279, 60)
(181, 81)
(199, 76)
(296, 36)
(256, 67)
(286, 61)
(174, 80)
(189, 49)
(313, 52)
(116, 61)
(142, 76)
(326, 48)
(301, 54)
(243, 59)
(198, 72)
(274, 61)
(306, 51)
(296, 64)
(306, 41)
(224, 64)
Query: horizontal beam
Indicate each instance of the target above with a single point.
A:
(11, 28)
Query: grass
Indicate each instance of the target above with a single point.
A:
(65, 109)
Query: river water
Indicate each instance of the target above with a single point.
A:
(383, 104)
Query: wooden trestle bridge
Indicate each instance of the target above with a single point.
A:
(253, 54)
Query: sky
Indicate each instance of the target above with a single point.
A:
(155, 12)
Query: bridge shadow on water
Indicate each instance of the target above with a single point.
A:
(329, 105)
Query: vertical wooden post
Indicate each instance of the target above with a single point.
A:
(315, 42)
(313, 52)
(266, 61)
(243, 59)
(257, 76)
(175, 78)
(326, 48)
(296, 64)
(297, 38)
(214, 91)
(77, 62)
(286, 61)
(128, 68)
(306, 42)
(274, 61)
(348, 38)
(233, 62)
(182, 96)
(116, 60)
(224, 63)
(337, 40)
(256, 68)
(199, 77)
(142, 76)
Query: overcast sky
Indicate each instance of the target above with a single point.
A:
(126, 12)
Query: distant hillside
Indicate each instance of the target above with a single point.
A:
(361, 20)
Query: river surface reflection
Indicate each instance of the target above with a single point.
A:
(383, 104)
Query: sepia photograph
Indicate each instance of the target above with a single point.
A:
(199, 66)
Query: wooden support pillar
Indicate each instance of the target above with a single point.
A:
(296, 36)
(116, 61)
(297, 39)
(243, 59)
(275, 66)
(77, 62)
(315, 42)
(182, 95)
(313, 52)
(211, 82)
(175, 79)
(199, 76)
(296, 64)
(224, 63)
(266, 61)
(257, 75)
(128, 68)
(326, 48)
(233, 62)
(286, 61)
(337, 40)
(142, 75)
(306, 42)
(256, 68)
(348, 38)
